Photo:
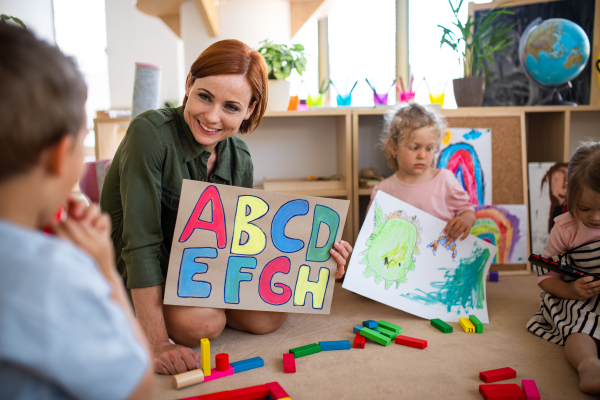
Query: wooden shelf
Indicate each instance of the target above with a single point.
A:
(365, 191)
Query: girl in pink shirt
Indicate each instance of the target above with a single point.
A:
(569, 312)
(411, 139)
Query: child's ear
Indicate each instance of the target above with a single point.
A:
(392, 146)
(57, 156)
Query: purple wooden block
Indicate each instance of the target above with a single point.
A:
(493, 276)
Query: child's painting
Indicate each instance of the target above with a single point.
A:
(547, 200)
(468, 153)
(401, 258)
(504, 226)
(253, 250)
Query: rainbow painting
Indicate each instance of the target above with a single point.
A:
(467, 153)
(504, 227)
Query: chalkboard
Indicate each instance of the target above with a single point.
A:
(510, 86)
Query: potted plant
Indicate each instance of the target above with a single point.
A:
(475, 41)
(281, 60)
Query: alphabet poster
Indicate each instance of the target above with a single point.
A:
(402, 258)
(254, 250)
(468, 154)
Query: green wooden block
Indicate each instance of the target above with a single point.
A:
(441, 325)
(375, 336)
(386, 332)
(390, 326)
(478, 325)
(306, 350)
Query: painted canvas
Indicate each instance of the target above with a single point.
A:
(468, 153)
(504, 226)
(401, 258)
(547, 197)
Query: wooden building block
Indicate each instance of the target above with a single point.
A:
(375, 336)
(499, 386)
(411, 342)
(276, 391)
(496, 375)
(478, 325)
(493, 276)
(222, 361)
(530, 389)
(306, 350)
(289, 363)
(214, 374)
(250, 393)
(386, 332)
(357, 328)
(390, 326)
(511, 394)
(359, 341)
(225, 395)
(370, 324)
(466, 325)
(244, 365)
(188, 378)
(441, 325)
(335, 345)
(205, 356)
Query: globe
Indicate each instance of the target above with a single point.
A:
(554, 52)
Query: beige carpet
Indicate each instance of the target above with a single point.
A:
(447, 369)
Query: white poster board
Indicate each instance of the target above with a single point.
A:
(401, 259)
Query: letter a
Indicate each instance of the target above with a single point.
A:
(217, 225)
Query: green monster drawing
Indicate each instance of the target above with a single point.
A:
(390, 248)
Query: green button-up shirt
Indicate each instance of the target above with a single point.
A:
(142, 187)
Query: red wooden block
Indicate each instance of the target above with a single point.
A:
(222, 361)
(411, 342)
(276, 391)
(226, 395)
(190, 398)
(359, 341)
(250, 393)
(502, 386)
(289, 363)
(511, 394)
(531, 390)
(496, 375)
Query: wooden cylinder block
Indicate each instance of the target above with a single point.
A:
(188, 378)
(222, 361)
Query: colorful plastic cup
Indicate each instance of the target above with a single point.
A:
(315, 101)
(293, 104)
(345, 100)
(406, 97)
(437, 98)
(380, 98)
(302, 106)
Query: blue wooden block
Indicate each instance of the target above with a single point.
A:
(370, 324)
(357, 328)
(493, 276)
(244, 365)
(335, 345)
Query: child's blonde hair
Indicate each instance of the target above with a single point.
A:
(584, 173)
(401, 122)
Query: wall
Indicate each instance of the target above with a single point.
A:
(37, 15)
(134, 36)
(248, 21)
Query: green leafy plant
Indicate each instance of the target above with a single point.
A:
(4, 18)
(481, 37)
(281, 59)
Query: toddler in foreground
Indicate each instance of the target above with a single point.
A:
(66, 326)
(412, 136)
(569, 311)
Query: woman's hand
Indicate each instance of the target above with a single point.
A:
(584, 288)
(173, 359)
(341, 251)
(460, 226)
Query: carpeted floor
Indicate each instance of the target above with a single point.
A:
(447, 369)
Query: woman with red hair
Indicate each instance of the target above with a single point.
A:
(226, 93)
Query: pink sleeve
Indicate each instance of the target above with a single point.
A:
(458, 200)
(557, 244)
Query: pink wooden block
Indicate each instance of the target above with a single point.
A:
(530, 389)
(214, 374)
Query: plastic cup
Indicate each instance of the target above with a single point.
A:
(406, 97)
(302, 106)
(380, 98)
(345, 100)
(437, 98)
(293, 104)
(315, 101)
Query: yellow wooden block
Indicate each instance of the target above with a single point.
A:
(466, 325)
(205, 356)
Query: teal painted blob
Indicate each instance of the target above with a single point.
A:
(472, 135)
